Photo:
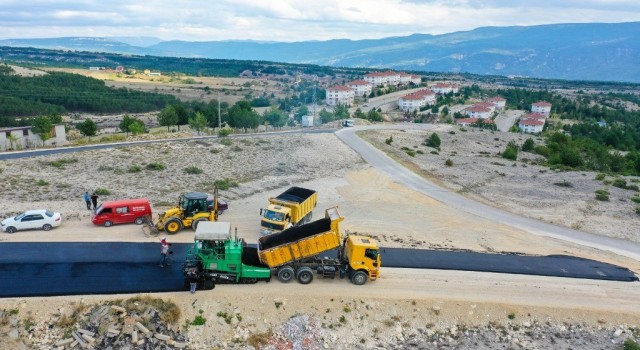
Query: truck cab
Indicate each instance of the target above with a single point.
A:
(275, 218)
(363, 256)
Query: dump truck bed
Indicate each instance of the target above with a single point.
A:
(298, 243)
(300, 200)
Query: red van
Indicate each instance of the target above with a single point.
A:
(122, 212)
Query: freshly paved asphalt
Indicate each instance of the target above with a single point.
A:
(46, 269)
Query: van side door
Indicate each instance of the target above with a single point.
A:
(123, 215)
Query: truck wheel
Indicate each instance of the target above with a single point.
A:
(196, 222)
(285, 274)
(304, 275)
(139, 221)
(173, 225)
(208, 284)
(359, 278)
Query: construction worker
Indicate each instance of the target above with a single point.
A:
(164, 250)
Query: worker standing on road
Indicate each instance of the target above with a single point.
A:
(164, 250)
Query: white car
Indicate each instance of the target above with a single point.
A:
(32, 219)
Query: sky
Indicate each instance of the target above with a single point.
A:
(292, 20)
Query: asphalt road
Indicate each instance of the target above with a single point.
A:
(402, 175)
(47, 269)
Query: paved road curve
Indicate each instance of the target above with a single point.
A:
(400, 174)
(46, 269)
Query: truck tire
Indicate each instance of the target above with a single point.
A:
(196, 222)
(208, 284)
(304, 275)
(172, 226)
(139, 221)
(285, 274)
(359, 277)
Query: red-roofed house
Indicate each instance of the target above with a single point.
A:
(541, 107)
(445, 88)
(536, 116)
(469, 121)
(340, 95)
(531, 125)
(497, 101)
(416, 100)
(360, 87)
(478, 112)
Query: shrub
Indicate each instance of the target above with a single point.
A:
(602, 195)
(630, 344)
(633, 188)
(434, 152)
(510, 153)
(389, 140)
(224, 132)
(433, 141)
(134, 169)
(511, 316)
(236, 148)
(638, 209)
(528, 145)
(620, 183)
(448, 162)
(600, 176)
(225, 184)
(564, 183)
(42, 183)
(102, 191)
(452, 132)
(635, 199)
(542, 150)
(156, 166)
(193, 170)
(226, 141)
(199, 321)
(409, 151)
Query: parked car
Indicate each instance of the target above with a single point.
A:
(32, 219)
(222, 204)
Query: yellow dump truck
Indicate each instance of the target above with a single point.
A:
(292, 207)
(296, 252)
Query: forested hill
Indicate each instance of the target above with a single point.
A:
(63, 92)
(573, 51)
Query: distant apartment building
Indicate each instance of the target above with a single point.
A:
(497, 101)
(476, 111)
(416, 100)
(541, 107)
(340, 95)
(360, 87)
(392, 78)
(406, 79)
(531, 125)
(376, 78)
(445, 88)
(22, 137)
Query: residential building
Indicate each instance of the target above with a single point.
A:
(469, 121)
(541, 107)
(531, 125)
(445, 88)
(536, 116)
(22, 138)
(360, 87)
(497, 101)
(416, 100)
(376, 78)
(478, 112)
(340, 95)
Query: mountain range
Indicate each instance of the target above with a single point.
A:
(588, 51)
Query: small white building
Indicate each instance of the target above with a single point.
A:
(416, 100)
(541, 107)
(22, 137)
(340, 95)
(531, 126)
(497, 101)
(478, 112)
(360, 87)
(445, 88)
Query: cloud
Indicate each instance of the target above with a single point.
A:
(292, 20)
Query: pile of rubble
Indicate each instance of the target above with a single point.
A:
(102, 327)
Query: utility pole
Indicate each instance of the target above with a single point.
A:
(219, 118)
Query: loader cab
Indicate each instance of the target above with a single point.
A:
(193, 202)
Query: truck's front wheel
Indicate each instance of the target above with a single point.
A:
(208, 284)
(285, 274)
(359, 278)
(172, 226)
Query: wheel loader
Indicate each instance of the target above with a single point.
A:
(192, 209)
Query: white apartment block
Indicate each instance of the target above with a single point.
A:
(416, 100)
(445, 88)
(478, 112)
(497, 101)
(541, 107)
(531, 125)
(340, 95)
(360, 87)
